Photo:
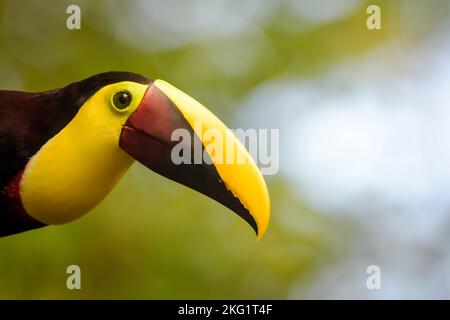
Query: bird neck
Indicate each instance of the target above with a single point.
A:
(73, 171)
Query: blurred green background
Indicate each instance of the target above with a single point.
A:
(152, 238)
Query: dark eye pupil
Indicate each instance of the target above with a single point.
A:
(122, 99)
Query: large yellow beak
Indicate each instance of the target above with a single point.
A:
(230, 176)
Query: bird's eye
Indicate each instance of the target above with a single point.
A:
(122, 100)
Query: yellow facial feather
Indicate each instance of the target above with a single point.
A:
(79, 166)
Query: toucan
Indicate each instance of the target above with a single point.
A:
(62, 151)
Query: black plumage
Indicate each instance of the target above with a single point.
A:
(27, 122)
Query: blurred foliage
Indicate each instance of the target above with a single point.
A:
(152, 238)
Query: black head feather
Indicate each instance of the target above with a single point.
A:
(29, 120)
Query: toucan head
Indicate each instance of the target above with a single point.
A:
(128, 120)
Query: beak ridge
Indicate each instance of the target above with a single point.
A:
(147, 137)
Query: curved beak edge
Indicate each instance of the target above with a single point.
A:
(234, 181)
